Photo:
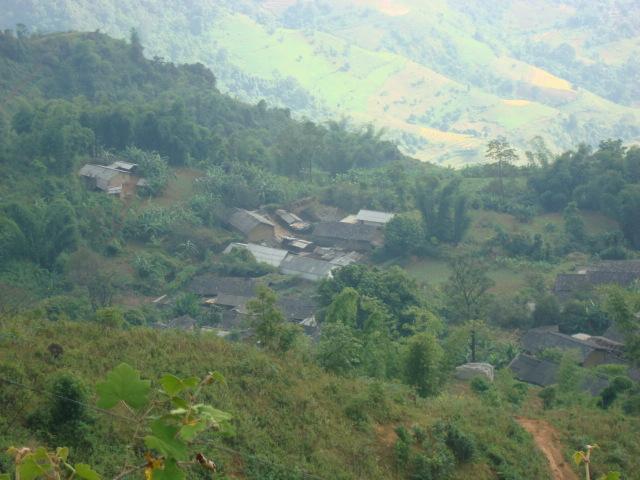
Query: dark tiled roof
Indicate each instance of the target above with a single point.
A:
(212, 285)
(614, 333)
(623, 266)
(533, 370)
(347, 231)
(539, 339)
(245, 221)
(594, 384)
(544, 373)
(618, 272)
(297, 308)
(306, 266)
(567, 283)
(235, 301)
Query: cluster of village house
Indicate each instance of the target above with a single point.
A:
(312, 251)
(591, 350)
(309, 250)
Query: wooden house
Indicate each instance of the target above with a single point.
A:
(255, 227)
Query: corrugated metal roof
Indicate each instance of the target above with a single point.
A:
(288, 217)
(309, 268)
(270, 256)
(374, 216)
(126, 166)
(347, 231)
(98, 172)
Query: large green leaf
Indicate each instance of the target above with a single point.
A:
(85, 471)
(611, 476)
(165, 440)
(188, 432)
(35, 465)
(171, 471)
(62, 453)
(123, 384)
(173, 385)
(212, 414)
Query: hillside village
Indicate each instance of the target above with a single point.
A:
(311, 241)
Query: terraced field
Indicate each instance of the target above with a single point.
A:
(441, 77)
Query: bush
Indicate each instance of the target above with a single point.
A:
(241, 263)
(480, 384)
(110, 317)
(187, 304)
(356, 410)
(631, 405)
(64, 307)
(548, 396)
(439, 465)
(461, 444)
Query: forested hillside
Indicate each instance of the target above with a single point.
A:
(365, 386)
(442, 77)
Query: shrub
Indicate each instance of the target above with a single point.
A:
(439, 465)
(65, 307)
(548, 396)
(110, 317)
(461, 444)
(356, 410)
(187, 304)
(480, 384)
(402, 450)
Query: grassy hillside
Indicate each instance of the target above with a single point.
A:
(442, 77)
(290, 416)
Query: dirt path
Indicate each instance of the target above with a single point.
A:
(546, 439)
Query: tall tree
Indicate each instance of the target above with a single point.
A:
(339, 349)
(573, 223)
(500, 152)
(269, 322)
(467, 289)
(404, 234)
(422, 364)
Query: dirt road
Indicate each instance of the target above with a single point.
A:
(546, 439)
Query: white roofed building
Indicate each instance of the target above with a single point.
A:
(373, 217)
(262, 254)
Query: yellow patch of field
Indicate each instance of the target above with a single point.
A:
(544, 79)
(516, 102)
(449, 137)
(523, 72)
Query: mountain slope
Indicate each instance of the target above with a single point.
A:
(442, 77)
(290, 416)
